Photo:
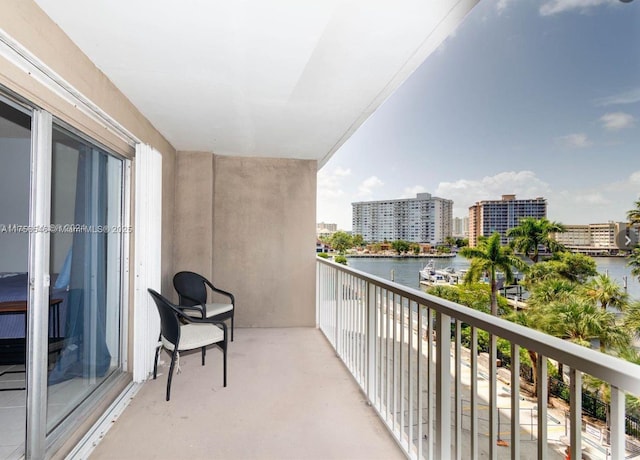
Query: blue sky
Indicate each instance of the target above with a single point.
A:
(536, 98)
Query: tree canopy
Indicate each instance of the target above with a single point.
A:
(490, 257)
(533, 233)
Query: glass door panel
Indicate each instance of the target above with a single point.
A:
(85, 258)
(15, 148)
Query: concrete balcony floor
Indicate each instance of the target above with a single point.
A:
(288, 397)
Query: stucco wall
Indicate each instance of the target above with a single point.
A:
(262, 233)
(193, 226)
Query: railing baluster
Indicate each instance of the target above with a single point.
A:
(395, 362)
(443, 386)
(419, 361)
(430, 392)
(617, 423)
(515, 400)
(575, 417)
(458, 392)
(493, 399)
(542, 389)
(401, 368)
(389, 319)
(371, 315)
(474, 394)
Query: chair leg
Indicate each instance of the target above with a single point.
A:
(155, 363)
(204, 352)
(173, 362)
(224, 359)
(232, 315)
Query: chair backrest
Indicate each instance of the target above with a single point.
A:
(169, 322)
(191, 288)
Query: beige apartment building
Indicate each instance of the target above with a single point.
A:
(608, 238)
(489, 216)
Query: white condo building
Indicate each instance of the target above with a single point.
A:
(424, 219)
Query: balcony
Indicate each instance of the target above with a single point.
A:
(406, 378)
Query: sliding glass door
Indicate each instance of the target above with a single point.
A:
(15, 145)
(85, 267)
(62, 240)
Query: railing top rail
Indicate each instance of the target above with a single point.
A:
(619, 373)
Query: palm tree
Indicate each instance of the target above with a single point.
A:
(632, 319)
(533, 233)
(550, 290)
(606, 292)
(634, 214)
(580, 320)
(634, 262)
(490, 256)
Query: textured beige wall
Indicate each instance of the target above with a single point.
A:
(193, 226)
(259, 241)
(264, 238)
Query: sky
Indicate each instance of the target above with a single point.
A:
(527, 97)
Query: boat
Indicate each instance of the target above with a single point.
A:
(442, 277)
(427, 271)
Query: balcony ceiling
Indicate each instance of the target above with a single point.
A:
(277, 78)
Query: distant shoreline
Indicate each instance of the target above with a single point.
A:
(402, 256)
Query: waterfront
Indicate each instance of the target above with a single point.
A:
(405, 270)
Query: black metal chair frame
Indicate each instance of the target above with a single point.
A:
(171, 319)
(185, 282)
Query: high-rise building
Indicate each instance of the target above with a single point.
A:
(489, 216)
(460, 227)
(424, 219)
(325, 226)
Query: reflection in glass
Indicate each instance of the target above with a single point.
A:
(15, 147)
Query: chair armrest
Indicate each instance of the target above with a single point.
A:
(199, 307)
(220, 291)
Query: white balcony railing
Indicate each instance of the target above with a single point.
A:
(442, 400)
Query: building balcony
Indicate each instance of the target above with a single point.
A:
(408, 383)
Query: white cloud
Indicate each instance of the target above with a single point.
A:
(617, 120)
(365, 189)
(465, 192)
(341, 172)
(330, 183)
(502, 5)
(552, 7)
(333, 201)
(627, 97)
(575, 140)
(592, 198)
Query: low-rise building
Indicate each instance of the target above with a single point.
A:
(608, 238)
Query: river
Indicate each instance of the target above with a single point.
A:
(405, 270)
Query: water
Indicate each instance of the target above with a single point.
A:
(405, 271)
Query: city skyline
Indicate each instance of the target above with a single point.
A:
(524, 98)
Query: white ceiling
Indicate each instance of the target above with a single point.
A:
(272, 78)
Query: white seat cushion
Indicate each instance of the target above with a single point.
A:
(195, 336)
(212, 309)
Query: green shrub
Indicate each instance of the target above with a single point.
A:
(323, 255)
(340, 260)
